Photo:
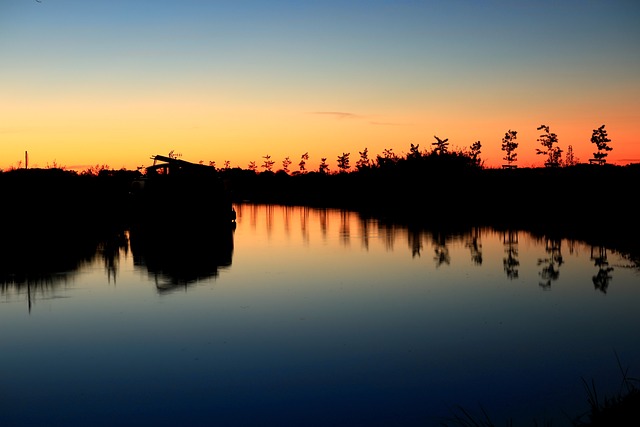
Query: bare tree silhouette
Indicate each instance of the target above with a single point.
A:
(570, 158)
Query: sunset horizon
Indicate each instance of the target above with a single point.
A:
(114, 83)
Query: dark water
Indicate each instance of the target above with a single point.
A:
(313, 317)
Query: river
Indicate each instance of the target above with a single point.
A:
(302, 316)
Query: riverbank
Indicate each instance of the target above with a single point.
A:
(595, 204)
(591, 203)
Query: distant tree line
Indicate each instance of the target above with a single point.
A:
(440, 149)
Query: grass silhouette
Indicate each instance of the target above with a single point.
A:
(620, 409)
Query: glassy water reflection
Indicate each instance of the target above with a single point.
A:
(307, 317)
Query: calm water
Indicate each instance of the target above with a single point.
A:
(305, 317)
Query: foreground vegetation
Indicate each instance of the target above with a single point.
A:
(621, 409)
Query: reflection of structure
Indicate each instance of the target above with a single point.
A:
(510, 262)
(551, 265)
(602, 278)
(178, 257)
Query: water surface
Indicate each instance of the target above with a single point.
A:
(310, 317)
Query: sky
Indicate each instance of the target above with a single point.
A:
(114, 82)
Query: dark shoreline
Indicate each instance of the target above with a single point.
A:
(590, 203)
(594, 204)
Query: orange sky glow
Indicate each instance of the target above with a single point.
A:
(112, 83)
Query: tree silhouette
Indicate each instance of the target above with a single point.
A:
(509, 146)
(388, 158)
(323, 167)
(474, 153)
(268, 163)
(441, 146)
(600, 138)
(343, 162)
(252, 166)
(570, 159)
(303, 162)
(414, 152)
(173, 155)
(363, 162)
(285, 164)
(548, 140)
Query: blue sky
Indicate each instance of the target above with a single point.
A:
(254, 74)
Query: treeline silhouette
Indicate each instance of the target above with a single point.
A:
(448, 188)
(433, 189)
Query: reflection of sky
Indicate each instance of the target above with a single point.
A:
(298, 325)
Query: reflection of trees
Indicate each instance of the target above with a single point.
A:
(269, 219)
(323, 222)
(419, 236)
(475, 246)
(365, 230)
(510, 261)
(36, 258)
(109, 249)
(287, 220)
(440, 249)
(345, 230)
(304, 224)
(603, 277)
(415, 241)
(34, 287)
(551, 265)
(388, 233)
